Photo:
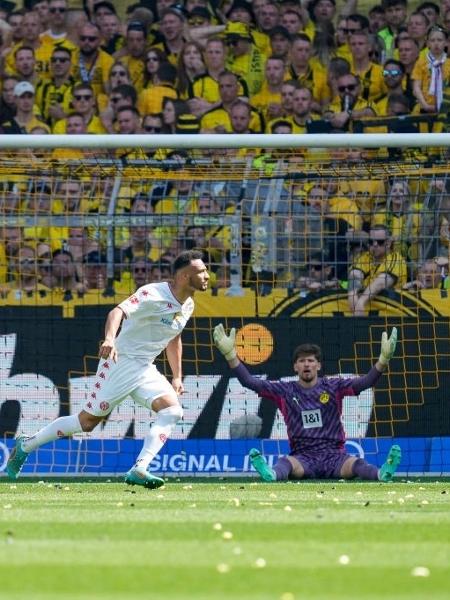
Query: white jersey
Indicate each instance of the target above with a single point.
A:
(153, 318)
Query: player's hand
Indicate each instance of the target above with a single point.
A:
(177, 384)
(108, 350)
(225, 343)
(388, 346)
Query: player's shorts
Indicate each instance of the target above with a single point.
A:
(127, 377)
(324, 465)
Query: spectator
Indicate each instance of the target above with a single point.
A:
(94, 271)
(218, 119)
(369, 73)
(244, 57)
(374, 271)
(57, 26)
(408, 53)
(154, 58)
(431, 10)
(61, 277)
(25, 64)
(133, 54)
(53, 96)
(92, 64)
(7, 99)
(172, 109)
(350, 104)
(121, 96)
(171, 29)
(417, 28)
(377, 19)
(393, 74)
(83, 102)
(280, 41)
(303, 68)
(268, 100)
(319, 277)
(429, 277)
(118, 75)
(190, 66)
(395, 12)
(151, 99)
(25, 119)
(431, 70)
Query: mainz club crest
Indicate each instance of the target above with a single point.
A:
(104, 405)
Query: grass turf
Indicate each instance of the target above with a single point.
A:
(223, 540)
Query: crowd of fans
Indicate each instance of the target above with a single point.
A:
(203, 66)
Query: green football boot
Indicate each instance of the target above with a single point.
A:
(16, 459)
(144, 478)
(260, 464)
(389, 468)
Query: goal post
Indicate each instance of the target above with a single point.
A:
(281, 220)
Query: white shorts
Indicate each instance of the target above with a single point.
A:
(127, 377)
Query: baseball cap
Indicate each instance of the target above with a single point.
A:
(22, 88)
(237, 30)
(95, 258)
(200, 11)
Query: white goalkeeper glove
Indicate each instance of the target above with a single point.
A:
(225, 343)
(388, 346)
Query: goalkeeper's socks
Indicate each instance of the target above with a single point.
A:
(59, 428)
(165, 421)
(363, 470)
(283, 469)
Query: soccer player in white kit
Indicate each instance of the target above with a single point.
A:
(152, 320)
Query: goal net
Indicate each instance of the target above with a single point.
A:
(284, 223)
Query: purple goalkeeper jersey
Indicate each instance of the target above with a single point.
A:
(312, 415)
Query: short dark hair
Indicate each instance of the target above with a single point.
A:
(307, 350)
(185, 258)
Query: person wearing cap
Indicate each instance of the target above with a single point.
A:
(244, 57)
(268, 100)
(25, 118)
(134, 53)
(199, 16)
(53, 96)
(171, 27)
(241, 11)
(92, 64)
(218, 120)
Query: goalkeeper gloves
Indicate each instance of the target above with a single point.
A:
(388, 346)
(225, 343)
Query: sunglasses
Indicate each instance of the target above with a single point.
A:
(392, 72)
(116, 99)
(346, 30)
(153, 58)
(83, 96)
(57, 9)
(373, 242)
(232, 42)
(59, 59)
(121, 73)
(152, 128)
(27, 261)
(139, 270)
(316, 267)
(88, 38)
(351, 87)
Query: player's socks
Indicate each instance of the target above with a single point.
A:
(283, 469)
(161, 429)
(260, 464)
(363, 470)
(389, 468)
(59, 428)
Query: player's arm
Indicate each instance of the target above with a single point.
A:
(388, 345)
(174, 353)
(113, 321)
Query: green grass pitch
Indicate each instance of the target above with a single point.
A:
(225, 540)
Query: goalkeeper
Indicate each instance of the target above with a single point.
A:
(312, 409)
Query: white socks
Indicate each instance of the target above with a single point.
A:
(161, 429)
(59, 428)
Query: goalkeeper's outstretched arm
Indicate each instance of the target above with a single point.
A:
(226, 344)
(387, 352)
